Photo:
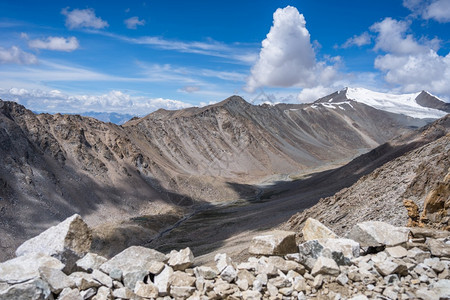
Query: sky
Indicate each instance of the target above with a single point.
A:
(135, 57)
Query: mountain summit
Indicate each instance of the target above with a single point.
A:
(421, 105)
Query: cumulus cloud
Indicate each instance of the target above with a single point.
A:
(392, 37)
(287, 56)
(439, 10)
(54, 101)
(308, 95)
(133, 22)
(83, 18)
(55, 43)
(358, 40)
(408, 63)
(15, 55)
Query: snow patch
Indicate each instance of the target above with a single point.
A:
(400, 104)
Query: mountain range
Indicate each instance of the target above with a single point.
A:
(169, 163)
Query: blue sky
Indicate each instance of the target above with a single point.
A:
(137, 56)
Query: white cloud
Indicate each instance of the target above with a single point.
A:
(287, 57)
(83, 18)
(15, 55)
(308, 95)
(439, 10)
(425, 71)
(133, 22)
(410, 65)
(55, 43)
(358, 40)
(392, 37)
(114, 101)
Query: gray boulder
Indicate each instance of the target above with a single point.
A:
(325, 266)
(276, 242)
(90, 261)
(133, 259)
(376, 233)
(24, 268)
(33, 289)
(56, 279)
(68, 242)
(342, 251)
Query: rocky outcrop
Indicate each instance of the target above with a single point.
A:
(408, 271)
(68, 241)
(436, 210)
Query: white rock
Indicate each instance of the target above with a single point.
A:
(274, 243)
(102, 278)
(180, 260)
(84, 280)
(33, 289)
(72, 294)
(90, 262)
(146, 290)
(68, 242)
(103, 293)
(376, 233)
(56, 279)
(205, 272)
(162, 280)
(314, 230)
(132, 259)
(222, 261)
(397, 251)
(325, 266)
(26, 267)
(229, 274)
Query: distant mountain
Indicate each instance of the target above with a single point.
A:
(421, 105)
(112, 117)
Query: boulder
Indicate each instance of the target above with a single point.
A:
(135, 258)
(314, 230)
(389, 267)
(222, 261)
(397, 251)
(181, 260)
(90, 262)
(102, 278)
(72, 294)
(376, 233)
(56, 279)
(276, 242)
(342, 251)
(181, 279)
(162, 280)
(103, 293)
(325, 266)
(146, 290)
(84, 280)
(33, 289)
(205, 272)
(439, 247)
(26, 267)
(68, 242)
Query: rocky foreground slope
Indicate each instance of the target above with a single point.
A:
(420, 177)
(52, 166)
(375, 260)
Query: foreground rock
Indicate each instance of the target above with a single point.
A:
(376, 234)
(337, 272)
(68, 241)
(314, 230)
(274, 243)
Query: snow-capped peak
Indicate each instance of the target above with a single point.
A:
(401, 104)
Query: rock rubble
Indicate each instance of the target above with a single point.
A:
(323, 268)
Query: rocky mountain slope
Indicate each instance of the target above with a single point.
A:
(380, 194)
(52, 166)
